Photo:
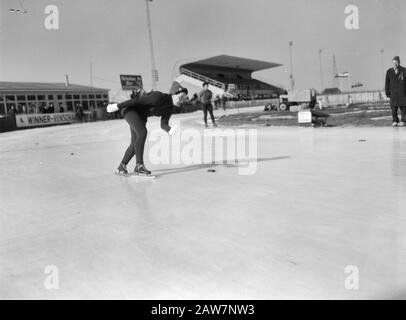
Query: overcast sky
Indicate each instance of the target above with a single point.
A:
(113, 35)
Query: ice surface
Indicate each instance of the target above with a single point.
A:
(320, 200)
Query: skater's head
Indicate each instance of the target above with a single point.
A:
(205, 85)
(179, 96)
(396, 61)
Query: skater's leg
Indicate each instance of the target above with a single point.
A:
(130, 152)
(205, 114)
(138, 125)
(403, 114)
(395, 117)
(210, 107)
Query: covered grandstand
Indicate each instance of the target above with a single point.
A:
(228, 73)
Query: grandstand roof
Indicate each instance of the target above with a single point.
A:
(231, 62)
(45, 86)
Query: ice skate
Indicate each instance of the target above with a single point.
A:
(121, 170)
(140, 170)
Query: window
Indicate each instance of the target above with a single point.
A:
(2, 108)
(84, 96)
(20, 98)
(85, 105)
(10, 98)
(105, 96)
(31, 98)
(76, 97)
(69, 105)
(91, 96)
(60, 97)
(50, 97)
(98, 96)
(40, 97)
(68, 96)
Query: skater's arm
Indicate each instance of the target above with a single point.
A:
(147, 100)
(128, 103)
(165, 122)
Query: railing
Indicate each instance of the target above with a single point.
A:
(202, 78)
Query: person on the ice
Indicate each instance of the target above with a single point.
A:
(205, 99)
(395, 89)
(136, 112)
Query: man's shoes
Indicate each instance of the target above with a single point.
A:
(401, 124)
(394, 124)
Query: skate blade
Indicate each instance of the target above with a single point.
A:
(143, 176)
(121, 174)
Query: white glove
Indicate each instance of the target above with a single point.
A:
(172, 131)
(112, 107)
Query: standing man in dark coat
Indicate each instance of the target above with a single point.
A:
(205, 99)
(395, 89)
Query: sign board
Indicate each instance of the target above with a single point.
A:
(155, 75)
(299, 96)
(44, 119)
(131, 82)
(304, 116)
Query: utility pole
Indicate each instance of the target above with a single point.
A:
(91, 75)
(321, 71)
(292, 81)
(382, 67)
(154, 72)
(335, 79)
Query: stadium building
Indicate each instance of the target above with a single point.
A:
(226, 73)
(37, 98)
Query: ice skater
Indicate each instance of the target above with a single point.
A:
(136, 112)
(205, 99)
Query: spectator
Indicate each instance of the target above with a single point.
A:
(51, 108)
(395, 89)
(12, 112)
(79, 112)
(217, 102)
(223, 101)
(205, 99)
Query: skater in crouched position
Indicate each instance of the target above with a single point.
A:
(136, 112)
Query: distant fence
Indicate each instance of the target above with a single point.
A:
(352, 97)
(35, 120)
(250, 103)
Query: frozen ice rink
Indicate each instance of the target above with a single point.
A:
(321, 201)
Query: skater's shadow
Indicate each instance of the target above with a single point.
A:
(241, 163)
